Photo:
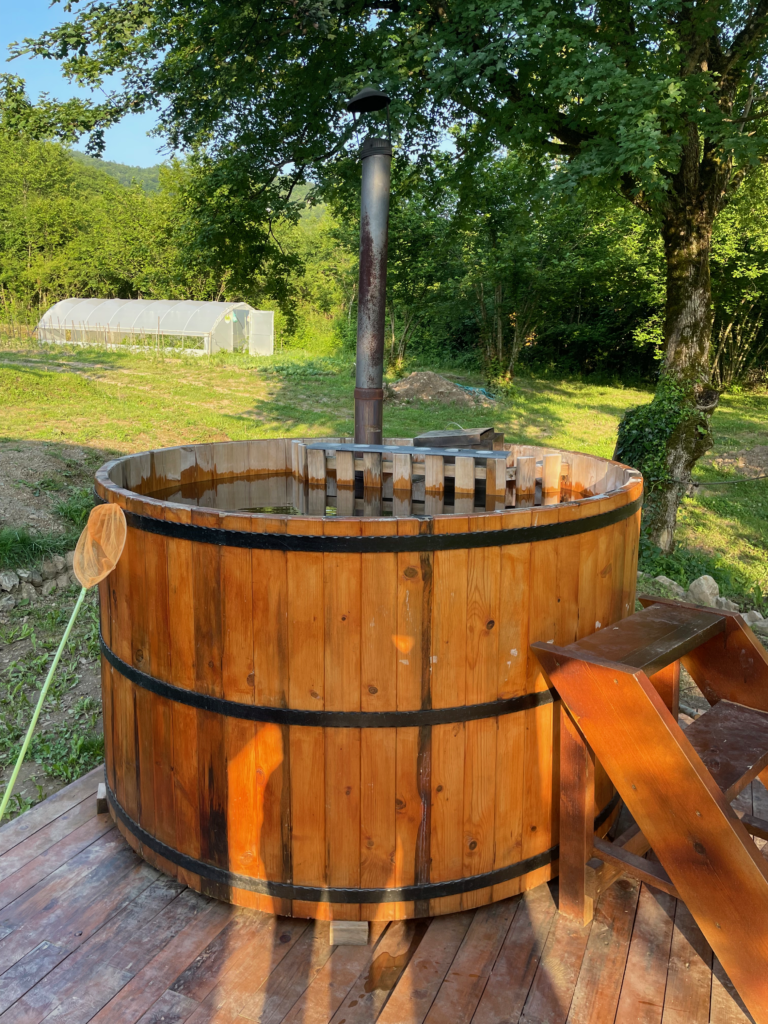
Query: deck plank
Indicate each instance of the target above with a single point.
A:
(645, 977)
(291, 978)
(725, 1005)
(413, 997)
(66, 877)
(42, 814)
(596, 998)
(549, 1000)
(170, 1008)
(46, 837)
(689, 979)
(231, 944)
(69, 936)
(68, 914)
(55, 857)
(80, 986)
(512, 976)
(347, 969)
(247, 981)
(28, 971)
(152, 984)
(373, 987)
(464, 983)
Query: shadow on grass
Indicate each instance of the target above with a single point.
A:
(315, 404)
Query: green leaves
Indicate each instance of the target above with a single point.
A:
(609, 88)
(67, 228)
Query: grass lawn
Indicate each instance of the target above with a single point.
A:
(126, 402)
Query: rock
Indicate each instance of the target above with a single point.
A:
(49, 569)
(35, 578)
(74, 580)
(69, 558)
(752, 617)
(53, 567)
(24, 575)
(704, 591)
(725, 605)
(62, 581)
(28, 592)
(7, 603)
(8, 580)
(48, 588)
(676, 589)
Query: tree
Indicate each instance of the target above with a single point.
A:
(740, 284)
(663, 99)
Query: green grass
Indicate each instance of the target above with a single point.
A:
(125, 402)
(22, 548)
(66, 743)
(68, 754)
(76, 506)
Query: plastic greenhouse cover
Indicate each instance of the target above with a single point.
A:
(140, 316)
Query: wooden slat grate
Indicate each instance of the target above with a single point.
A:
(405, 479)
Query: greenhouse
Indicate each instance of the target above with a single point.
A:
(197, 327)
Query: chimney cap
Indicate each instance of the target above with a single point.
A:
(368, 100)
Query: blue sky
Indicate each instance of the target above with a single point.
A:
(127, 142)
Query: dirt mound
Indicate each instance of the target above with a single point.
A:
(427, 386)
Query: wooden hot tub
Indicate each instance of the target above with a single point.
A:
(339, 715)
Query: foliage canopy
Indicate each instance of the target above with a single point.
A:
(613, 87)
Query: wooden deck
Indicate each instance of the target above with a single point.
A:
(88, 932)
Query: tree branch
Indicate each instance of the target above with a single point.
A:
(745, 40)
(630, 190)
(570, 138)
(560, 148)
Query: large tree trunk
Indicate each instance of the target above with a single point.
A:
(688, 331)
(687, 234)
(666, 438)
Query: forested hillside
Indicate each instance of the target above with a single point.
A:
(147, 177)
(505, 273)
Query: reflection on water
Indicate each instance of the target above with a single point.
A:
(284, 495)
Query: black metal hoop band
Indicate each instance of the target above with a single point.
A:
(374, 545)
(326, 719)
(317, 894)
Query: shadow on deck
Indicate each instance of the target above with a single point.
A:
(88, 932)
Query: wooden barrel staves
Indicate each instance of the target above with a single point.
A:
(339, 716)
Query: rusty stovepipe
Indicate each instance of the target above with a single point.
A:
(376, 157)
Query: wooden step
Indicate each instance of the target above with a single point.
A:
(732, 741)
(650, 640)
(732, 665)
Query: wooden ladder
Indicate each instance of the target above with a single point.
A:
(619, 692)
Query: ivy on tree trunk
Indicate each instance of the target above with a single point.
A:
(666, 438)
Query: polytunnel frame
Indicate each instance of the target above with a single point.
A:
(62, 317)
